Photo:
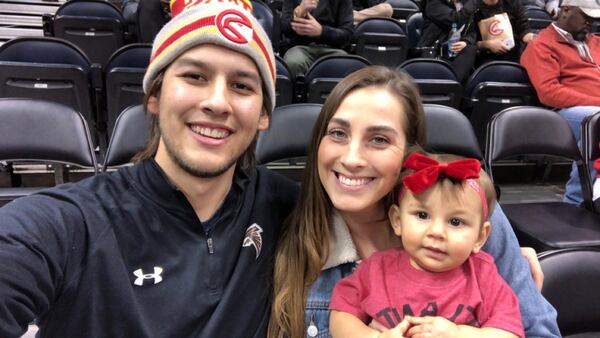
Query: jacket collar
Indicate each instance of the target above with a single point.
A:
(341, 247)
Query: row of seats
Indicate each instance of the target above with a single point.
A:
(99, 28)
(47, 131)
(54, 69)
(491, 88)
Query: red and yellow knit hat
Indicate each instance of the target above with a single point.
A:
(227, 23)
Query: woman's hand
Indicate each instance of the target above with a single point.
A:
(458, 46)
(534, 265)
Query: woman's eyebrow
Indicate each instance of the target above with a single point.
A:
(382, 129)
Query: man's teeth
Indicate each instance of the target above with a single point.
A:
(210, 132)
(353, 181)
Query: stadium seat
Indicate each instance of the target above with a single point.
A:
(493, 87)
(537, 17)
(436, 80)
(590, 144)
(449, 131)
(289, 133)
(326, 72)
(42, 132)
(96, 26)
(519, 131)
(50, 69)
(264, 15)
(414, 28)
(571, 279)
(131, 131)
(124, 75)
(284, 83)
(403, 9)
(382, 41)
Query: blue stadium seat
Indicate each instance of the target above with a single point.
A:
(382, 41)
(42, 131)
(493, 87)
(526, 131)
(131, 131)
(124, 75)
(96, 26)
(49, 69)
(436, 80)
(284, 83)
(326, 72)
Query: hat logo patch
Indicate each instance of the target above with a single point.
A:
(235, 26)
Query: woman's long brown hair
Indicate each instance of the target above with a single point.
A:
(304, 244)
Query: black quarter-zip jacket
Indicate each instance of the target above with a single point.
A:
(124, 255)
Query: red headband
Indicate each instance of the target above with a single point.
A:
(428, 171)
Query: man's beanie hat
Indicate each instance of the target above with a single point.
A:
(227, 23)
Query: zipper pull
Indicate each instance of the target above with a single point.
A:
(211, 247)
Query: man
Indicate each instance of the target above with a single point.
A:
(563, 65)
(180, 244)
(314, 29)
(364, 9)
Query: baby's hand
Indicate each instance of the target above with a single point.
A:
(439, 327)
(397, 332)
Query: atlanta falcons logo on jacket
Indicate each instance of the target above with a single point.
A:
(253, 238)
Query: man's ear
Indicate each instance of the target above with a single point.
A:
(484, 233)
(394, 216)
(263, 120)
(152, 106)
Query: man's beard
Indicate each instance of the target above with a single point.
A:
(192, 169)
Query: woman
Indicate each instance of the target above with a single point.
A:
(439, 17)
(359, 141)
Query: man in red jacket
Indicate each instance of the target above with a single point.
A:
(563, 63)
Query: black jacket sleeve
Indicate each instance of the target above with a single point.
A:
(335, 17)
(519, 22)
(443, 13)
(439, 17)
(37, 237)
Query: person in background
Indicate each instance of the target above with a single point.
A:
(439, 16)
(314, 29)
(152, 15)
(498, 48)
(364, 9)
(563, 64)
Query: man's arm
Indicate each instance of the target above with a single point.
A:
(543, 69)
(538, 316)
(382, 10)
(340, 35)
(35, 242)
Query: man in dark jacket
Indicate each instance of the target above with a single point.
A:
(314, 29)
(181, 243)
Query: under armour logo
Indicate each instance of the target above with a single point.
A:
(253, 238)
(141, 276)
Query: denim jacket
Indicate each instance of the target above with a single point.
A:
(539, 317)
